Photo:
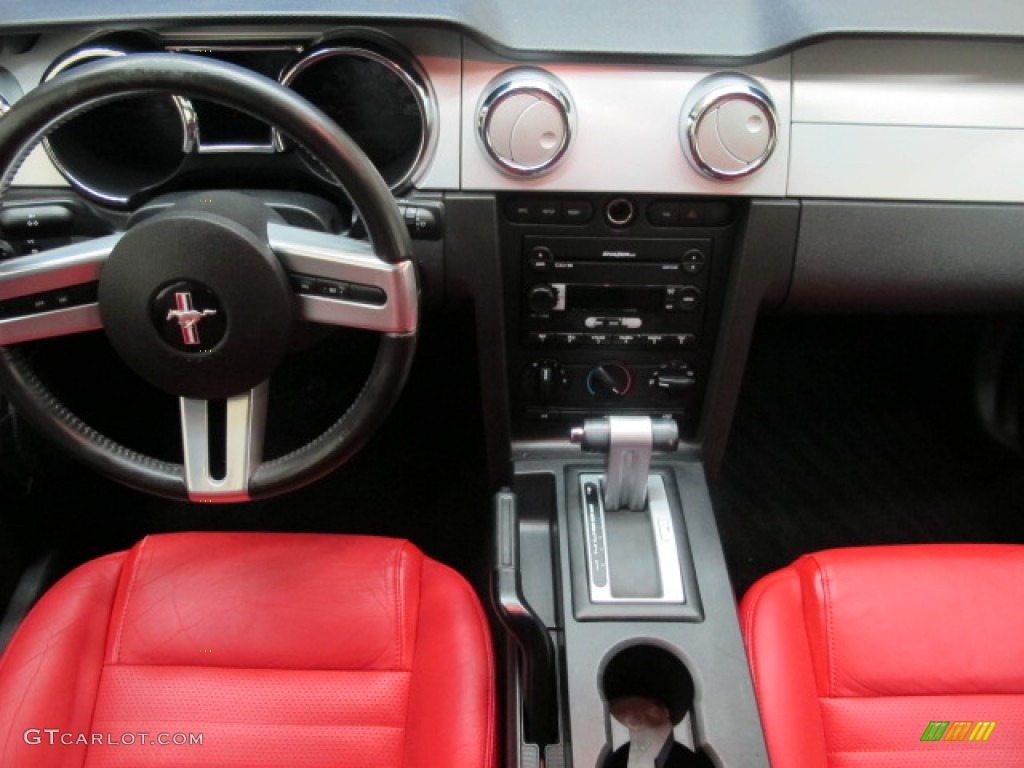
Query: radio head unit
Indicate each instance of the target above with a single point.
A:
(612, 319)
(642, 289)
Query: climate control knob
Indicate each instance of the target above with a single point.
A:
(545, 379)
(673, 378)
(542, 298)
(609, 380)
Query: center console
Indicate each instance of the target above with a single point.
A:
(624, 645)
(613, 304)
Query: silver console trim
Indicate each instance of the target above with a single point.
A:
(666, 543)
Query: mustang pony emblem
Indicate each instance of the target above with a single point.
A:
(188, 317)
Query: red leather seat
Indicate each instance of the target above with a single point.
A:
(275, 649)
(900, 657)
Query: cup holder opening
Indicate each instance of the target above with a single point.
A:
(649, 694)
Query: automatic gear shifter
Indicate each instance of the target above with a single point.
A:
(629, 442)
(629, 531)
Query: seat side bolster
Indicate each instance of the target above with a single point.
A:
(816, 597)
(452, 716)
(778, 649)
(52, 667)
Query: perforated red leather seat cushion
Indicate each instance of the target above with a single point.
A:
(855, 652)
(278, 649)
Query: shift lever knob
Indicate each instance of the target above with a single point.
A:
(628, 442)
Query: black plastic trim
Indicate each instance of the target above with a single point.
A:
(760, 279)
(908, 257)
(536, 658)
(473, 273)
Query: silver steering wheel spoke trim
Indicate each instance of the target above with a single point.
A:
(351, 264)
(47, 294)
(239, 438)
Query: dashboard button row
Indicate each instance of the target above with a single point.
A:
(549, 211)
(613, 339)
(688, 213)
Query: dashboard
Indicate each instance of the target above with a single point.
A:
(637, 185)
(863, 118)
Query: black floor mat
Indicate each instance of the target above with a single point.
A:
(861, 431)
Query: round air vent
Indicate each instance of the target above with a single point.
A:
(525, 121)
(728, 127)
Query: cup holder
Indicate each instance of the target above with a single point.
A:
(649, 691)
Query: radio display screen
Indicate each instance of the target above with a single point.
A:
(619, 298)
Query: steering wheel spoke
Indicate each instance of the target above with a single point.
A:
(340, 281)
(52, 293)
(223, 444)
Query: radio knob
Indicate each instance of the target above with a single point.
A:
(609, 380)
(542, 298)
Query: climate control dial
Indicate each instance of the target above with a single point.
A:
(609, 380)
(542, 298)
(673, 378)
(544, 380)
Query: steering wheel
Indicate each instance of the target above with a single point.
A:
(201, 300)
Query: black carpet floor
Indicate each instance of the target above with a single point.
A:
(861, 431)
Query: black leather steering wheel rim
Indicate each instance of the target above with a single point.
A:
(46, 107)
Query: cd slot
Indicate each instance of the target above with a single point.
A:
(560, 251)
